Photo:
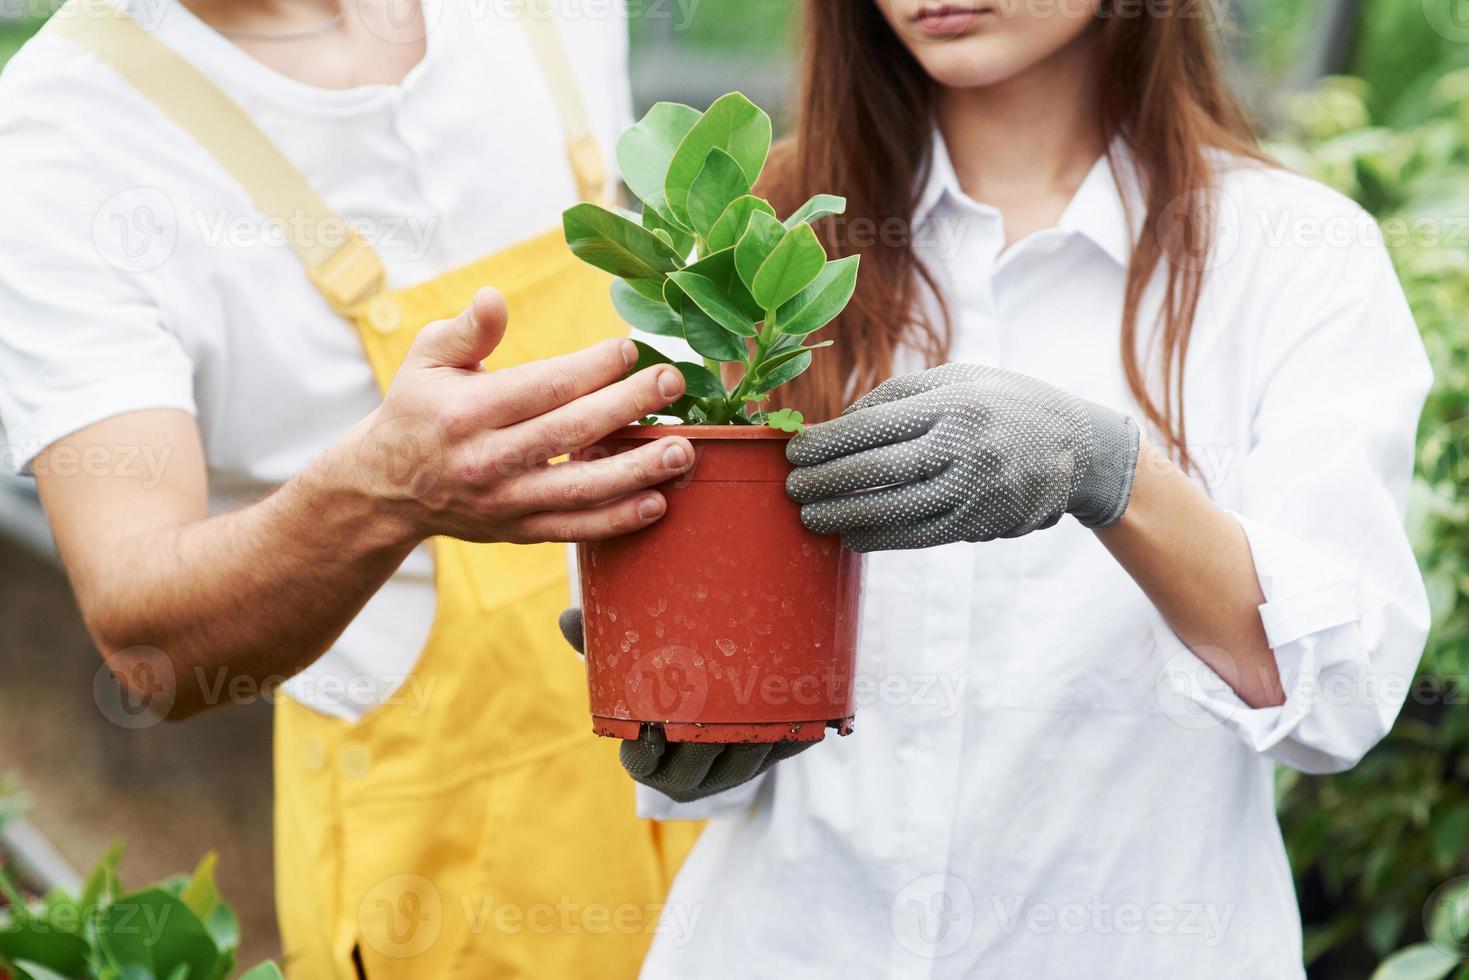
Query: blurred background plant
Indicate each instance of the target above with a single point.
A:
(1369, 96)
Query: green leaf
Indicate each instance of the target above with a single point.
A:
(822, 301)
(820, 206)
(731, 225)
(1448, 921)
(645, 150)
(733, 124)
(719, 268)
(201, 894)
(643, 313)
(709, 338)
(761, 237)
(616, 245)
(791, 267)
(681, 238)
(786, 420)
(720, 182)
(1421, 961)
(30, 970)
(157, 932)
(648, 355)
(712, 300)
(1449, 829)
(39, 941)
(102, 883)
(775, 359)
(649, 288)
(789, 368)
(265, 971)
(699, 381)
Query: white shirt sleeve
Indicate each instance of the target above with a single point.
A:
(81, 340)
(1325, 480)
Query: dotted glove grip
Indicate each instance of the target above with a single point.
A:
(962, 452)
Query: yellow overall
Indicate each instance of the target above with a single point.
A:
(478, 830)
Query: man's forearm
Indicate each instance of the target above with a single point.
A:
(258, 593)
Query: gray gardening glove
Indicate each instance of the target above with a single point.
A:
(961, 452)
(687, 771)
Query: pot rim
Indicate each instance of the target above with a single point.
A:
(719, 432)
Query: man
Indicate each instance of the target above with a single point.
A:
(245, 240)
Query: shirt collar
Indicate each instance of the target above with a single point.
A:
(1097, 211)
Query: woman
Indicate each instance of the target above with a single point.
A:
(1094, 796)
(248, 239)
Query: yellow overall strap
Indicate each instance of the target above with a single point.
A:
(581, 143)
(346, 271)
(344, 268)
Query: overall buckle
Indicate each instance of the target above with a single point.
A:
(351, 277)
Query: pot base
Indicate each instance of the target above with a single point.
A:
(786, 731)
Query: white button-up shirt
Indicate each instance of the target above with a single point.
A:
(1043, 781)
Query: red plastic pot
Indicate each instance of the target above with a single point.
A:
(726, 621)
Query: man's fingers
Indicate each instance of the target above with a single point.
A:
(905, 462)
(880, 425)
(592, 416)
(593, 524)
(467, 339)
(576, 486)
(522, 392)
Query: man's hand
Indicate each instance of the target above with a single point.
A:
(457, 450)
(172, 594)
(687, 771)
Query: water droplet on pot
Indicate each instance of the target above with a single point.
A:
(632, 637)
(612, 660)
(787, 606)
(701, 593)
(726, 647)
(658, 630)
(653, 609)
(698, 660)
(612, 614)
(625, 646)
(619, 710)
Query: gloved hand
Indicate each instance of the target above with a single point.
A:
(961, 452)
(687, 771)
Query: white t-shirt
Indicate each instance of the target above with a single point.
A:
(136, 274)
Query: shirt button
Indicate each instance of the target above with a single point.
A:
(384, 315)
(355, 761)
(313, 754)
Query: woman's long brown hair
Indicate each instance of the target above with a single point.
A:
(864, 127)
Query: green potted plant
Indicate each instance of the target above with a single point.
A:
(726, 621)
(179, 929)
